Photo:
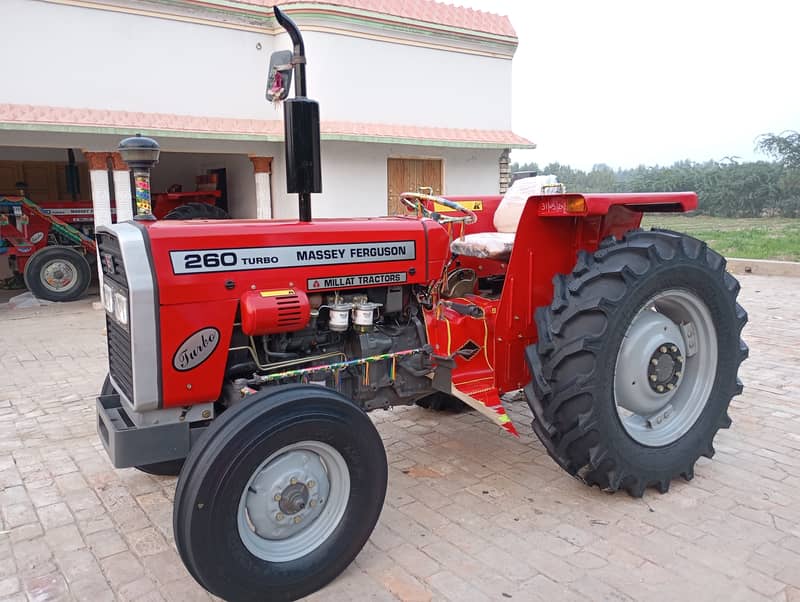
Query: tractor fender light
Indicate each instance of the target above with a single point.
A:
(576, 205)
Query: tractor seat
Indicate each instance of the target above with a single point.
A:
(498, 245)
(485, 245)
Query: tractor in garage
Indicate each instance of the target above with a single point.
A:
(246, 354)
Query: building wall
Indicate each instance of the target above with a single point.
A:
(69, 56)
(379, 82)
(119, 61)
(181, 168)
(19, 153)
(354, 177)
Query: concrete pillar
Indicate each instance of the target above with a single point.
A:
(101, 194)
(101, 198)
(262, 166)
(122, 189)
(505, 170)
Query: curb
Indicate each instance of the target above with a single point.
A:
(763, 267)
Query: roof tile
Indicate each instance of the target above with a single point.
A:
(428, 11)
(67, 116)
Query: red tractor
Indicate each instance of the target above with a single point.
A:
(246, 354)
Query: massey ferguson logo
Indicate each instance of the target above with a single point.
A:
(196, 349)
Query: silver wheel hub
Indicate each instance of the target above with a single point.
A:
(294, 501)
(58, 275)
(666, 367)
(287, 494)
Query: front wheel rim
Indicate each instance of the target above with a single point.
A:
(293, 501)
(666, 367)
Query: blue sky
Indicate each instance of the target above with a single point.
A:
(628, 82)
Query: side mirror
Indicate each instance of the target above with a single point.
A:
(279, 80)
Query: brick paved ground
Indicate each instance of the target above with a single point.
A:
(471, 513)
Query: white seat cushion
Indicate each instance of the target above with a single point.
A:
(498, 245)
(485, 245)
(509, 211)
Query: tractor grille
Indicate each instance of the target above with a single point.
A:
(120, 362)
(111, 259)
(119, 357)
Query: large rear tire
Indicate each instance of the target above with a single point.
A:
(197, 211)
(637, 361)
(170, 468)
(58, 274)
(280, 494)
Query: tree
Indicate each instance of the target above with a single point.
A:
(784, 147)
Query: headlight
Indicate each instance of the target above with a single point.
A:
(121, 308)
(108, 298)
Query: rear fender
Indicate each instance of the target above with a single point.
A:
(551, 232)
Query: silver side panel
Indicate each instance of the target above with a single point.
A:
(143, 317)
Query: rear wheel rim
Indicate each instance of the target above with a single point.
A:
(59, 275)
(666, 367)
(293, 501)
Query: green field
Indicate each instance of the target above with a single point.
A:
(750, 238)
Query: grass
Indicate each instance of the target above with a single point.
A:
(749, 238)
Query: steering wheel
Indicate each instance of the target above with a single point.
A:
(414, 200)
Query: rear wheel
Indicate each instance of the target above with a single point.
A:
(58, 274)
(280, 494)
(170, 468)
(197, 211)
(637, 361)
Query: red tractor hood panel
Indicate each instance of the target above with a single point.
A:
(215, 260)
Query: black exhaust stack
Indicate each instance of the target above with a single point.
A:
(301, 127)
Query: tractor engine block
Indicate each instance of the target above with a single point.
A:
(339, 326)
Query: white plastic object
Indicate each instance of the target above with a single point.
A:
(339, 320)
(364, 314)
(509, 212)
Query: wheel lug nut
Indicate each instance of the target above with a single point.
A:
(310, 484)
(653, 377)
(279, 516)
(670, 386)
(663, 349)
(277, 497)
(677, 375)
(654, 361)
(313, 503)
(293, 481)
(674, 349)
(660, 388)
(297, 519)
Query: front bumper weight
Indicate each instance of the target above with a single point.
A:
(130, 445)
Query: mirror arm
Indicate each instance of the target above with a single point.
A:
(299, 58)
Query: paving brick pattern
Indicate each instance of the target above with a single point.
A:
(471, 513)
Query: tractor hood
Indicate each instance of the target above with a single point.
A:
(216, 260)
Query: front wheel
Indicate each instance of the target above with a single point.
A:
(637, 361)
(280, 494)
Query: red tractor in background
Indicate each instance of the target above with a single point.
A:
(50, 245)
(245, 354)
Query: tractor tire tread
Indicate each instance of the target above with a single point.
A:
(564, 406)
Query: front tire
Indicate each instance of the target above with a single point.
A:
(58, 274)
(280, 494)
(637, 361)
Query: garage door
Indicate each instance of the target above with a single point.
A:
(412, 175)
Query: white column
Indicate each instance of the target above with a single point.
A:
(101, 194)
(262, 167)
(101, 198)
(122, 189)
